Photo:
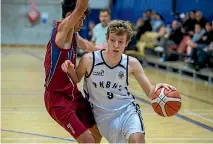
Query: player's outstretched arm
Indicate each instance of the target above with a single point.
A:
(86, 45)
(138, 72)
(76, 74)
(69, 22)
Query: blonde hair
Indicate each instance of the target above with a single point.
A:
(120, 27)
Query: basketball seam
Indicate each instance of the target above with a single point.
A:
(160, 109)
(172, 107)
(169, 93)
(162, 99)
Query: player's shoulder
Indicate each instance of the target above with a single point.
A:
(133, 60)
(87, 56)
(134, 63)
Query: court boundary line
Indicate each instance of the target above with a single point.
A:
(147, 102)
(71, 139)
(198, 115)
(40, 135)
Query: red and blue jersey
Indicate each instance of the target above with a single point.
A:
(55, 78)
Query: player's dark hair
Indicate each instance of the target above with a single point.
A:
(69, 6)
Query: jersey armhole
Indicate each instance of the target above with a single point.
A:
(53, 37)
(93, 64)
(127, 70)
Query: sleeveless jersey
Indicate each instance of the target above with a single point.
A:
(106, 87)
(55, 78)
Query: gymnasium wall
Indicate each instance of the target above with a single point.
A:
(17, 30)
(133, 9)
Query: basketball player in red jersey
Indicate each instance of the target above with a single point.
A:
(64, 102)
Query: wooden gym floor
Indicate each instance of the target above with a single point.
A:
(25, 120)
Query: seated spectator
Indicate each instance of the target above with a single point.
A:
(207, 38)
(189, 24)
(139, 23)
(199, 32)
(156, 21)
(171, 41)
(203, 57)
(202, 43)
(146, 26)
(200, 19)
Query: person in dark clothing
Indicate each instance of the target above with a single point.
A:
(146, 24)
(200, 19)
(176, 35)
(200, 54)
(173, 40)
(189, 24)
(207, 38)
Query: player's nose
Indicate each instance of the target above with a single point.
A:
(116, 43)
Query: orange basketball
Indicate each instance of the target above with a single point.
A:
(165, 102)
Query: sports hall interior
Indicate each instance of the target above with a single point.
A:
(24, 118)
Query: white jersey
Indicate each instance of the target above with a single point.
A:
(106, 87)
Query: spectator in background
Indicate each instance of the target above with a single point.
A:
(146, 26)
(199, 32)
(173, 40)
(212, 24)
(139, 23)
(207, 38)
(100, 30)
(147, 14)
(201, 44)
(189, 22)
(204, 58)
(91, 26)
(156, 21)
(176, 35)
(200, 19)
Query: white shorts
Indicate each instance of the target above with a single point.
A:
(118, 128)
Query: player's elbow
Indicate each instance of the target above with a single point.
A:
(77, 81)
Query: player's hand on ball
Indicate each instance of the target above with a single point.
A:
(67, 66)
(164, 85)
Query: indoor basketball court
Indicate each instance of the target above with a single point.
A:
(26, 28)
(25, 120)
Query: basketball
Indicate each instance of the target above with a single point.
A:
(165, 102)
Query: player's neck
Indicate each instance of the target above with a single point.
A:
(110, 59)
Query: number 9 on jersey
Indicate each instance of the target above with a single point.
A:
(110, 95)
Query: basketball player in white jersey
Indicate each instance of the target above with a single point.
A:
(106, 72)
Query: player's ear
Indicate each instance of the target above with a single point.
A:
(127, 42)
(69, 13)
(107, 38)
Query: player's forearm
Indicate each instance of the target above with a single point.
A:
(81, 7)
(91, 46)
(73, 76)
(87, 46)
